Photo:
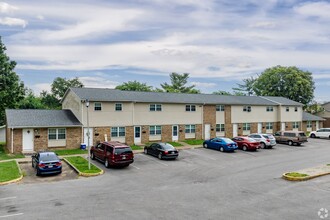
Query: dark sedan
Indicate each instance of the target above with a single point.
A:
(162, 151)
(46, 163)
(221, 144)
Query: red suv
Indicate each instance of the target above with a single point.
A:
(113, 153)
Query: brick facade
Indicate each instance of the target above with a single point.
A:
(254, 128)
(145, 134)
(99, 134)
(182, 132)
(228, 124)
(209, 117)
(129, 136)
(199, 134)
(166, 133)
(17, 140)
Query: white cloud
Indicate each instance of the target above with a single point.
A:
(6, 8)
(203, 85)
(263, 24)
(98, 82)
(38, 88)
(13, 22)
(317, 9)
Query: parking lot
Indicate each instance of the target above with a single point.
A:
(200, 184)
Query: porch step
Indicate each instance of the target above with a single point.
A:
(28, 153)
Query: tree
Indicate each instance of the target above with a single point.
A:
(49, 101)
(289, 82)
(220, 92)
(31, 101)
(134, 86)
(60, 85)
(178, 82)
(247, 86)
(313, 107)
(11, 87)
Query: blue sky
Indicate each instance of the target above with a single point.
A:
(219, 42)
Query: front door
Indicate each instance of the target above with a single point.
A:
(259, 128)
(90, 137)
(207, 131)
(283, 126)
(175, 136)
(235, 130)
(28, 139)
(137, 135)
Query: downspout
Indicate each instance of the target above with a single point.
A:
(12, 140)
(82, 120)
(203, 135)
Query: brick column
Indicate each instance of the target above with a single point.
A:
(129, 136)
(209, 117)
(145, 134)
(228, 124)
(166, 133)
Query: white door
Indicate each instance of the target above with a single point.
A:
(207, 131)
(175, 133)
(28, 139)
(259, 128)
(317, 125)
(235, 130)
(90, 137)
(137, 135)
(283, 126)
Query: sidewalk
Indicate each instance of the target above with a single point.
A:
(312, 172)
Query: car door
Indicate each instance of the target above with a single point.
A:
(218, 144)
(212, 144)
(153, 149)
(239, 141)
(97, 151)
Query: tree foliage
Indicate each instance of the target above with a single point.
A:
(11, 87)
(221, 92)
(134, 86)
(60, 85)
(289, 82)
(247, 87)
(178, 84)
(31, 101)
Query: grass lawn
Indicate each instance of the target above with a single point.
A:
(9, 171)
(293, 174)
(136, 147)
(194, 142)
(82, 164)
(70, 152)
(175, 144)
(328, 164)
(4, 156)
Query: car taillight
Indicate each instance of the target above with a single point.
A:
(267, 140)
(165, 152)
(58, 164)
(228, 144)
(41, 165)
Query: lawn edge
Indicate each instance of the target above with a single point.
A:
(82, 173)
(13, 180)
(290, 178)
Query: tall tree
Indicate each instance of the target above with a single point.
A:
(247, 86)
(31, 101)
(289, 82)
(60, 85)
(134, 86)
(178, 84)
(221, 92)
(11, 87)
(49, 101)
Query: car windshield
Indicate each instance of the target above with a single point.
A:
(167, 147)
(302, 134)
(227, 140)
(251, 140)
(266, 136)
(123, 150)
(48, 157)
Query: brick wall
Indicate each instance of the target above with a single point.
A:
(129, 136)
(73, 138)
(145, 134)
(228, 124)
(198, 134)
(209, 117)
(166, 133)
(99, 133)
(181, 132)
(18, 140)
(254, 128)
(288, 126)
(41, 139)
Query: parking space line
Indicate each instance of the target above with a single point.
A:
(190, 152)
(252, 154)
(6, 216)
(135, 167)
(13, 197)
(154, 160)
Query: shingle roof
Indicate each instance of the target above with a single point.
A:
(282, 100)
(113, 95)
(23, 118)
(309, 117)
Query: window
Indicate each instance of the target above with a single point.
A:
(220, 128)
(246, 126)
(56, 133)
(295, 124)
(269, 125)
(295, 109)
(190, 108)
(155, 107)
(118, 132)
(269, 109)
(190, 129)
(287, 109)
(118, 107)
(309, 124)
(220, 108)
(246, 108)
(155, 130)
(97, 106)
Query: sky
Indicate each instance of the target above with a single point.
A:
(218, 42)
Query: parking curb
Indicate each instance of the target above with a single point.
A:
(82, 173)
(14, 180)
(290, 178)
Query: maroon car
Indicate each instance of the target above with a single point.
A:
(246, 143)
(113, 153)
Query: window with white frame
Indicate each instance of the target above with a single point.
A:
(246, 108)
(56, 133)
(220, 108)
(118, 132)
(155, 107)
(220, 128)
(155, 130)
(189, 129)
(295, 124)
(309, 124)
(190, 108)
(118, 107)
(295, 109)
(287, 109)
(97, 106)
(269, 109)
(246, 126)
(269, 125)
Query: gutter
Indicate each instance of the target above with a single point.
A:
(12, 140)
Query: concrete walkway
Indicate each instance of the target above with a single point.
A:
(312, 172)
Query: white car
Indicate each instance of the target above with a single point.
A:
(321, 133)
(266, 140)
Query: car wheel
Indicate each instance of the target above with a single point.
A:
(221, 149)
(244, 148)
(37, 172)
(313, 136)
(263, 145)
(32, 164)
(106, 163)
(290, 143)
(145, 151)
(92, 156)
(205, 145)
(160, 156)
